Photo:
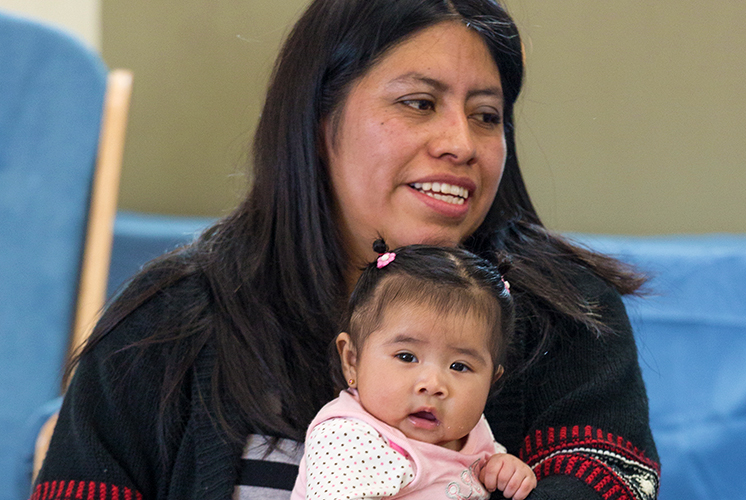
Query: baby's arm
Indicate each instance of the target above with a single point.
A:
(508, 474)
(349, 459)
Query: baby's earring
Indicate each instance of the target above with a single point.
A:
(351, 382)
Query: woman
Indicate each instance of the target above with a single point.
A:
(203, 374)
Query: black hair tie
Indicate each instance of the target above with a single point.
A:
(380, 247)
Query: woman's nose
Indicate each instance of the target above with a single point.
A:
(452, 139)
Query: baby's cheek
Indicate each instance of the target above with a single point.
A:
(460, 429)
(379, 404)
(470, 418)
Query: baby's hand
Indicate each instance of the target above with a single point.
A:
(508, 474)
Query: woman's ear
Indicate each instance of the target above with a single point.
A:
(498, 373)
(348, 358)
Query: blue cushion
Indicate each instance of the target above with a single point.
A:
(141, 237)
(691, 334)
(51, 97)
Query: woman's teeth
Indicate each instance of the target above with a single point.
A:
(441, 191)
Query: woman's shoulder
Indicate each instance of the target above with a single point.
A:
(155, 303)
(603, 299)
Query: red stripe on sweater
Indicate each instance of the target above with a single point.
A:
(70, 488)
(571, 464)
(582, 469)
(78, 490)
(60, 489)
(601, 485)
(79, 493)
(558, 467)
(613, 491)
(594, 473)
(534, 450)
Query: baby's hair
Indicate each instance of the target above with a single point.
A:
(450, 280)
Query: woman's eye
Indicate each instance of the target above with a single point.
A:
(491, 119)
(406, 357)
(419, 104)
(459, 367)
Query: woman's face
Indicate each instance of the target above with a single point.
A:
(417, 153)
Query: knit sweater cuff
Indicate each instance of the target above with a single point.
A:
(607, 466)
(561, 488)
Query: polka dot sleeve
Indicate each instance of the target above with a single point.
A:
(349, 459)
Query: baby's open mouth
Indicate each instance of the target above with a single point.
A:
(424, 414)
(424, 420)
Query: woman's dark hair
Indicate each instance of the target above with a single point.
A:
(448, 280)
(268, 281)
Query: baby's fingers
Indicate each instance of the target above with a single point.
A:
(525, 486)
(506, 475)
(489, 473)
(512, 485)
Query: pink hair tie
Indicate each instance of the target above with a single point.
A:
(385, 259)
(506, 284)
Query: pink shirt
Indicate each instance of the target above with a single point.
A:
(351, 454)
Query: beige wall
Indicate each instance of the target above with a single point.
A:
(634, 116)
(80, 17)
(200, 68)
(633, 120)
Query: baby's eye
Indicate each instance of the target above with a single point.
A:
(407, 357)
(459, 367)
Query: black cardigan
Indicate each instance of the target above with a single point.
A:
(579, 417)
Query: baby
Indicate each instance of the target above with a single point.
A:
(425, 339)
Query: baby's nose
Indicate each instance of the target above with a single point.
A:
(432, 383)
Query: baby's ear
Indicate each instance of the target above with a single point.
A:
(347, 355)
(498, 373)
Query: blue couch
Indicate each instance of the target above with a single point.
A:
(138, 238)
(51, 97)
(690, 329)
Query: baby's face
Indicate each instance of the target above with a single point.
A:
(426, 374)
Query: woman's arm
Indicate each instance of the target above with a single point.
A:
(105, 442)
(585, 430)
(107, 438)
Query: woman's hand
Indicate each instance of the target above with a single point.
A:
(508, 474)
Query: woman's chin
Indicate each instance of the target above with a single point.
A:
(364, 253)
(426, 238)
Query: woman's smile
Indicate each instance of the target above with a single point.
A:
(452, 194)
(447, 195)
